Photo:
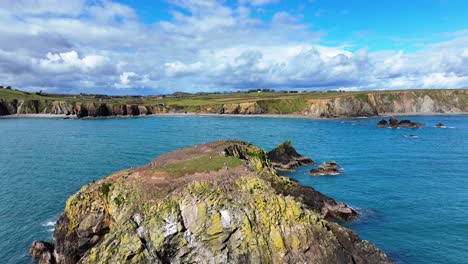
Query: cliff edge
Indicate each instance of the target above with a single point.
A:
(220, 202)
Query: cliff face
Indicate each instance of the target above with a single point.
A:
(216, 203)
(339, 105)
(80, 109)
(378, 103)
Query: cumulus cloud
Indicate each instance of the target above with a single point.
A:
(102, 46)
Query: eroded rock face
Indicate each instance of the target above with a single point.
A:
(284, 157)
(220, 202)
(327, 168)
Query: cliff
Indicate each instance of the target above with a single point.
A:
(398, 102)
(220, 202)
(80, 109)
(314, 104)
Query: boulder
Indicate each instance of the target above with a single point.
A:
(393, 122)
(284, 157)
(327, 168)
(42, 251)
(382, 123)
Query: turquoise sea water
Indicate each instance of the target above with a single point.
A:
(412, 192)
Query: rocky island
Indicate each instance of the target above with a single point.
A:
(327, 168)
(284, 157)
(220, 202)
(394, 123)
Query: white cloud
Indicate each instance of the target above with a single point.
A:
(258, 2)
(125, 79)
(284, 18)
(70, 61)
(101, 46)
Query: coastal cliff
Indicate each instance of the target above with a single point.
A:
(400, 102)
(220, 202)
(80, 109)
(313, 104)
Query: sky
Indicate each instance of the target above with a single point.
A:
(157, 47)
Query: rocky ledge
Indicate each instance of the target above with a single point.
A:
(394, 123)
(284, 157)
(327, 168)
(220, 202)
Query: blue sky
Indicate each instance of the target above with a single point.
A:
(152, 47)
(382, 24)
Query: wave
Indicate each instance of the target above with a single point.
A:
(49, 223)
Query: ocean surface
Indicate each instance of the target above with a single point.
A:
(412, 192)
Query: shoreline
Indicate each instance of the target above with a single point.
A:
(385, 115)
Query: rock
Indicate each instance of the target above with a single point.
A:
(393, 122)
(231, 109)
(284, 157)
(220, 202)
(42, 251)
(327, 168)
(440, 125)
(413, 125)
(404, 122)
(382, 123)
(250, 108)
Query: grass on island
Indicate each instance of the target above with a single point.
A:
(201, 164)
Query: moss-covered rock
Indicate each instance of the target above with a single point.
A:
(239, 211)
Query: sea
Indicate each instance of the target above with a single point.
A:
(410, 186)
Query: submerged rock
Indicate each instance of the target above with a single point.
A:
(327, 168)
(440, 125)
(220, 202)
(284, 157)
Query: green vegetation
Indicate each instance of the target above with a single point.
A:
(105, 189)
(201, 164)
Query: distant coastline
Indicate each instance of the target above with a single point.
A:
(15, 103)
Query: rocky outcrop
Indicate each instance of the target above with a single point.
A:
(248, 108)
(284, 157)
(42, 251)
(327, 168)
(394, 123)
(440, 125)
(220, 202)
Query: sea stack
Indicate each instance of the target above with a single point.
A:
(284, 157)
(220, 202)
